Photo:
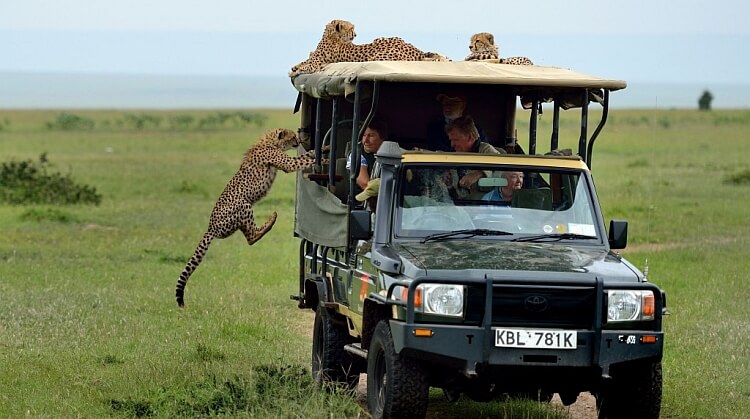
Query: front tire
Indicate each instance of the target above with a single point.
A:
(331, 364)
(396, 385)
(634, 392)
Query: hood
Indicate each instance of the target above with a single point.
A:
(488, 255)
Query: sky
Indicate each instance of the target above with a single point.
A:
(643, 40)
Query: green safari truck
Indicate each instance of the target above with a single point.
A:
(485, 298)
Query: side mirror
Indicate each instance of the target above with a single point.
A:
(360, 225)
(618, 234)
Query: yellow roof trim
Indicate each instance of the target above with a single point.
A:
(510, 159)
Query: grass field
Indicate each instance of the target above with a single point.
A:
(89, 326)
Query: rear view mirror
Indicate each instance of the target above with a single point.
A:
(486, 183)
(618, 234)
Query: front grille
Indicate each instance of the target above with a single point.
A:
(569, 307)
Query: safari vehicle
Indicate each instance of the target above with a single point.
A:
(519, 298)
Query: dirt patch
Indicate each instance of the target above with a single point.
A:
(583, 408)
(86, 227)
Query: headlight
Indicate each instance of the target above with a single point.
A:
(440, 299)
(630, 305)
(447, 300)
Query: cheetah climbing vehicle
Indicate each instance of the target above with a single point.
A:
(440, 286)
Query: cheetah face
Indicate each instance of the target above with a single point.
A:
(341, 31)
(482, 42)
(282, 138)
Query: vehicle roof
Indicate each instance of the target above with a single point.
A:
(551, 162)
(340, 78)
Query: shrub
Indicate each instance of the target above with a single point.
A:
(47, 214)
(142, 121)
(741, 178)
(233, 119)
(251, 118)
(704, 101)
(27, 182)
(68, 121)
(181, 121)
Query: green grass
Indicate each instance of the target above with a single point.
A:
(89, 326)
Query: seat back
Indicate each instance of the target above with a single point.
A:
(341, 188)
(540, 198)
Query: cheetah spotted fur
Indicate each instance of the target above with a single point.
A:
(234, 208)
(337, 45)
(482, 47)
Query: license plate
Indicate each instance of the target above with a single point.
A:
(535, 338)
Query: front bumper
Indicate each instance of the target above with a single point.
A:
(473, 347)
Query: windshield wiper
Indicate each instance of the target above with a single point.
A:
(471, 232)
(554, 237)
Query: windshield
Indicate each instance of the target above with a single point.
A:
(514, 203)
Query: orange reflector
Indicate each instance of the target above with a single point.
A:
(649, 306)
(423, 333)
(648, 339)
(417, 296)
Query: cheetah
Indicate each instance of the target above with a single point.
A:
(234, 208)
(516, 61)
(482, 47)
(337, 46)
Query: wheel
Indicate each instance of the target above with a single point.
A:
(396, 386)
(634, 392)
(331, 364)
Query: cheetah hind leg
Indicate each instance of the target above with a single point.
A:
(253, 233)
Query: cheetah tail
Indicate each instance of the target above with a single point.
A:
(192, 264)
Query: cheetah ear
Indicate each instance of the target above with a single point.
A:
(281, 134)
(491, 39)
(338, 27)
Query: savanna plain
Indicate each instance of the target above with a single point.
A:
(88, 322)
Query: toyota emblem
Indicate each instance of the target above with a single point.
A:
(536, 303)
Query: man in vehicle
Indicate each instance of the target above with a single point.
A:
(464, 138)
(374, 135)
(453, 107)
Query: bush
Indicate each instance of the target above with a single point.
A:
(181, 121)
(27, 182)
(740, 178)
(704, 101)
(68, 121)
(47, 214)
(142, 121)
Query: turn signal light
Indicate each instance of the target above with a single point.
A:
(648, 339)
(423, 333)
(417, 296)
(649, 306)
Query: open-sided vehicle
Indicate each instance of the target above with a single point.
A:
(520, 298)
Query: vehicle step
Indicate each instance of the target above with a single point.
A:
(356, 349)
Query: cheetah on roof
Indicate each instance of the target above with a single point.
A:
(337, 45)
